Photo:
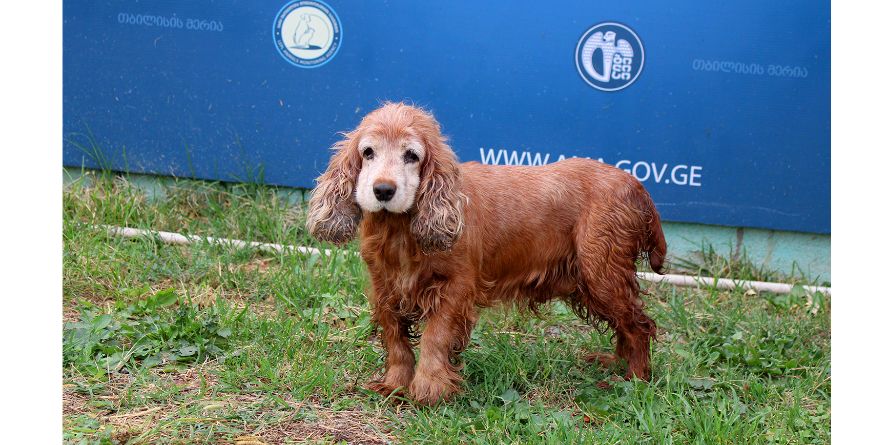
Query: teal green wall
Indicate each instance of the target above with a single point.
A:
(792, 253)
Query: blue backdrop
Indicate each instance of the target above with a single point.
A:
(724, 112)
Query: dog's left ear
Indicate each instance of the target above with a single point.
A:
(439, 214)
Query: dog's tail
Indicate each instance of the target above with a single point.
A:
(655, 245)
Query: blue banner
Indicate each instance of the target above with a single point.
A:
(722, 109)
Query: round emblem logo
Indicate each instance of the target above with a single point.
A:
(307, 33)
(609, 56)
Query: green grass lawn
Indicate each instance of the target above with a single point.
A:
(212, 344)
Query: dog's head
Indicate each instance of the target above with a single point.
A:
(396, 161)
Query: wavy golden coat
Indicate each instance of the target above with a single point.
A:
(477, 235)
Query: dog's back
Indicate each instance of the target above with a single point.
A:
(544, 213)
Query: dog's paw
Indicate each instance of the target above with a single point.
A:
(602, 359)
(383, 388)
(430, 391)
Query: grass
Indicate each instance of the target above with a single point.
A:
(209, 344)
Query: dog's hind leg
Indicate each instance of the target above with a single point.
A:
(610, 292)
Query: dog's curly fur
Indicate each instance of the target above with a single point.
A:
(478, 235)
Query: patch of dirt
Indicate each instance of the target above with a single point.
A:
(296, 421)
(130, 423)
(69, 314)
(193, 379)
(72, 401)
(351, 426)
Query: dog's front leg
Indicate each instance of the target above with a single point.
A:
(400, 360)
(447, 333)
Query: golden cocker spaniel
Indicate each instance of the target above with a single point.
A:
(442, 239)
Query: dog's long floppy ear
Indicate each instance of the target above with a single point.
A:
(333, 214)
(439, 205)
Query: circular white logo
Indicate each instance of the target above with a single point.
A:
(609, 56)
(307, 33)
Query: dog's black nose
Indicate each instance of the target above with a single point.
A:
(384, 191)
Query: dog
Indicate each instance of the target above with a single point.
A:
(442, 239)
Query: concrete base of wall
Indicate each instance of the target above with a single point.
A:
(791, 253)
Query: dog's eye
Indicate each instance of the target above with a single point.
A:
(410, 156)
(368, 153)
